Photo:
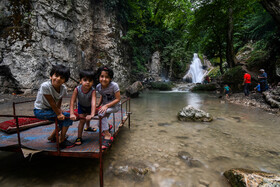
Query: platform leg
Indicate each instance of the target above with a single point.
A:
(114, 123)
(100, 154)
(57, 136)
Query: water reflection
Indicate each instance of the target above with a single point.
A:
(195, 100)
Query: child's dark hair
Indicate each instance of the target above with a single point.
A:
(105, 68)
(87, 73)
(60, 70)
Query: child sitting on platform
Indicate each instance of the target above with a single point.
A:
(48, 103)
(109, 101)
(86, 103)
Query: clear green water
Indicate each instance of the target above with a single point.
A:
(239, 137)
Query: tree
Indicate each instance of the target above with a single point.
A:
(230, 12)
(273, 7)
(231, 60)
(209, 29)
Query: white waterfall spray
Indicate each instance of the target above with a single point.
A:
(196, 72)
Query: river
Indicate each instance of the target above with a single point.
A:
(239, 137)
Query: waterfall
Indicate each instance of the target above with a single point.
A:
(195, 73)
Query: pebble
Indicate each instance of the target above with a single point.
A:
(156, 165)
(177, 164)
(204, 182)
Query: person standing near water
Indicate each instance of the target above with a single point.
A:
(247, 83)
(226, 90)
(263, 80)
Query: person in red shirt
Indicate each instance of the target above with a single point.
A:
(247, 83)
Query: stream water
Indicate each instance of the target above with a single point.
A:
(174, 153)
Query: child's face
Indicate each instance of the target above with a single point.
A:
(86, 83)
(104, 78)
(57, 80)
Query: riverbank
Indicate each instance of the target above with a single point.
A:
(254, 100)
(9, 98)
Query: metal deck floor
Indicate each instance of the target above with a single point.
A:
(36, 138)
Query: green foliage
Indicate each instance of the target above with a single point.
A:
(155, 25)
(205, 87)
(257, 26)
(175, 55)
(256, 59)
(215, 72)
(162, 86)
(177, 28)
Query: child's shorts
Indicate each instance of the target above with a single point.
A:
(49, 114)
(227, 92)
(83, 109)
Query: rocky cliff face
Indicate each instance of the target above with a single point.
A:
(36, 34)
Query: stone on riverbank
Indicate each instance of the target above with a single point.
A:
(135, 171)
(245, 177)
(189, 113)
(254, 100)
(190, 161)
(134, 89)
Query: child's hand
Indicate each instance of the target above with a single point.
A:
(89, 117)
(60, 117)
(73, 117)
(103, 109)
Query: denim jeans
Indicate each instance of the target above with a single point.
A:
(49, 114)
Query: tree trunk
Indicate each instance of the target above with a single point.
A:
(170, 69)
(221, 59)
(221, 64)
(231, 60)
(273, 7)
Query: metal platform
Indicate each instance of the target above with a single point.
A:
(35, 139)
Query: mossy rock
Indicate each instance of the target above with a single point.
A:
(239, 177)
(234, 77)
(205, 87)
(162, 86)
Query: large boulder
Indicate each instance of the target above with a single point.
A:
(189, 113)
(134, 89)
(245, 177)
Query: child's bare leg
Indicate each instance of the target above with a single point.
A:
(81, 126)
(107, 135)
(53, 134)
(63, 133)
(88, 124)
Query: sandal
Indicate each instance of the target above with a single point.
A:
(106, 144)
(110, 127)
(90, 129)
(79, 141)
(66, 144)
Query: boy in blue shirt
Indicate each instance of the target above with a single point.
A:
(226, 90)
